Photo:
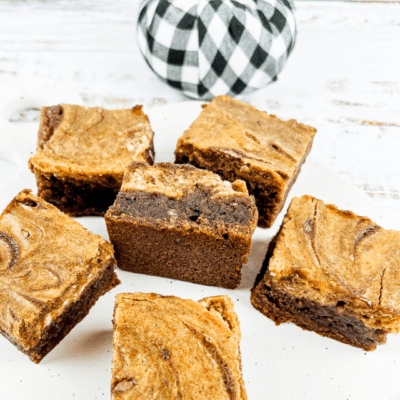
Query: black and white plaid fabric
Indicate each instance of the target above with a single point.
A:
(211, 47)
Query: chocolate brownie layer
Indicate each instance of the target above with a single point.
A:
(197, 207)
(78, 197)
(182, 223)
(332, 272)
(324, 320)
(82, 153)
(191, 256)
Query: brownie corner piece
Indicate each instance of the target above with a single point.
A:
(180, 222)
(237, 141)
(191, 348)
(52, 271)
(332, 272)
(82, 152)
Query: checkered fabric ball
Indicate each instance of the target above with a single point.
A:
(208, 48)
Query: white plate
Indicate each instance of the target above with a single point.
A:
(282, 362)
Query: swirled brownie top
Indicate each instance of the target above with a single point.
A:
(169, 348)
(263, 141)
(47, 259)
(74, 139)
(177, 181)
(330, 255)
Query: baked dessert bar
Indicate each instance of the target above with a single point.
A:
(82, 152)
(52, 271)
(236, 141)
(332, 272)
(169, 348)
(181, 222)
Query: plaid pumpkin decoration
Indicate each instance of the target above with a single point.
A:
(208, 48)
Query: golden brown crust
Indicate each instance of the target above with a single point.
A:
(91, 142)
(166, 347)
(328, 255)
(47, 260)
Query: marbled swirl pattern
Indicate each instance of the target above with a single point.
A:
(46, 260)
(329, 255)
(169, 348)
(95, 141)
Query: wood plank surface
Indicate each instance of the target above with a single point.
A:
(343, 76)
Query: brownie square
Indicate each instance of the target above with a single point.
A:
(181, 222)
(169, 348)
(82, 153)
(52, 271)
(236, 141)
(334, 273)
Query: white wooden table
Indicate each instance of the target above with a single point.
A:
(343, 77)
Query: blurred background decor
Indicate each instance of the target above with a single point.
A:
(208, 48)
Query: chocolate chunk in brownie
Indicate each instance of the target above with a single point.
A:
(181, 222)
(82, 153)
(176, 349)
(236, 141)
(52, 271)
(334, 273)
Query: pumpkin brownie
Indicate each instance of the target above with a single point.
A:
(52, 271)
(236, 141)
(334, 273)
(181, 222)
(169, 348)
(82, 152)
